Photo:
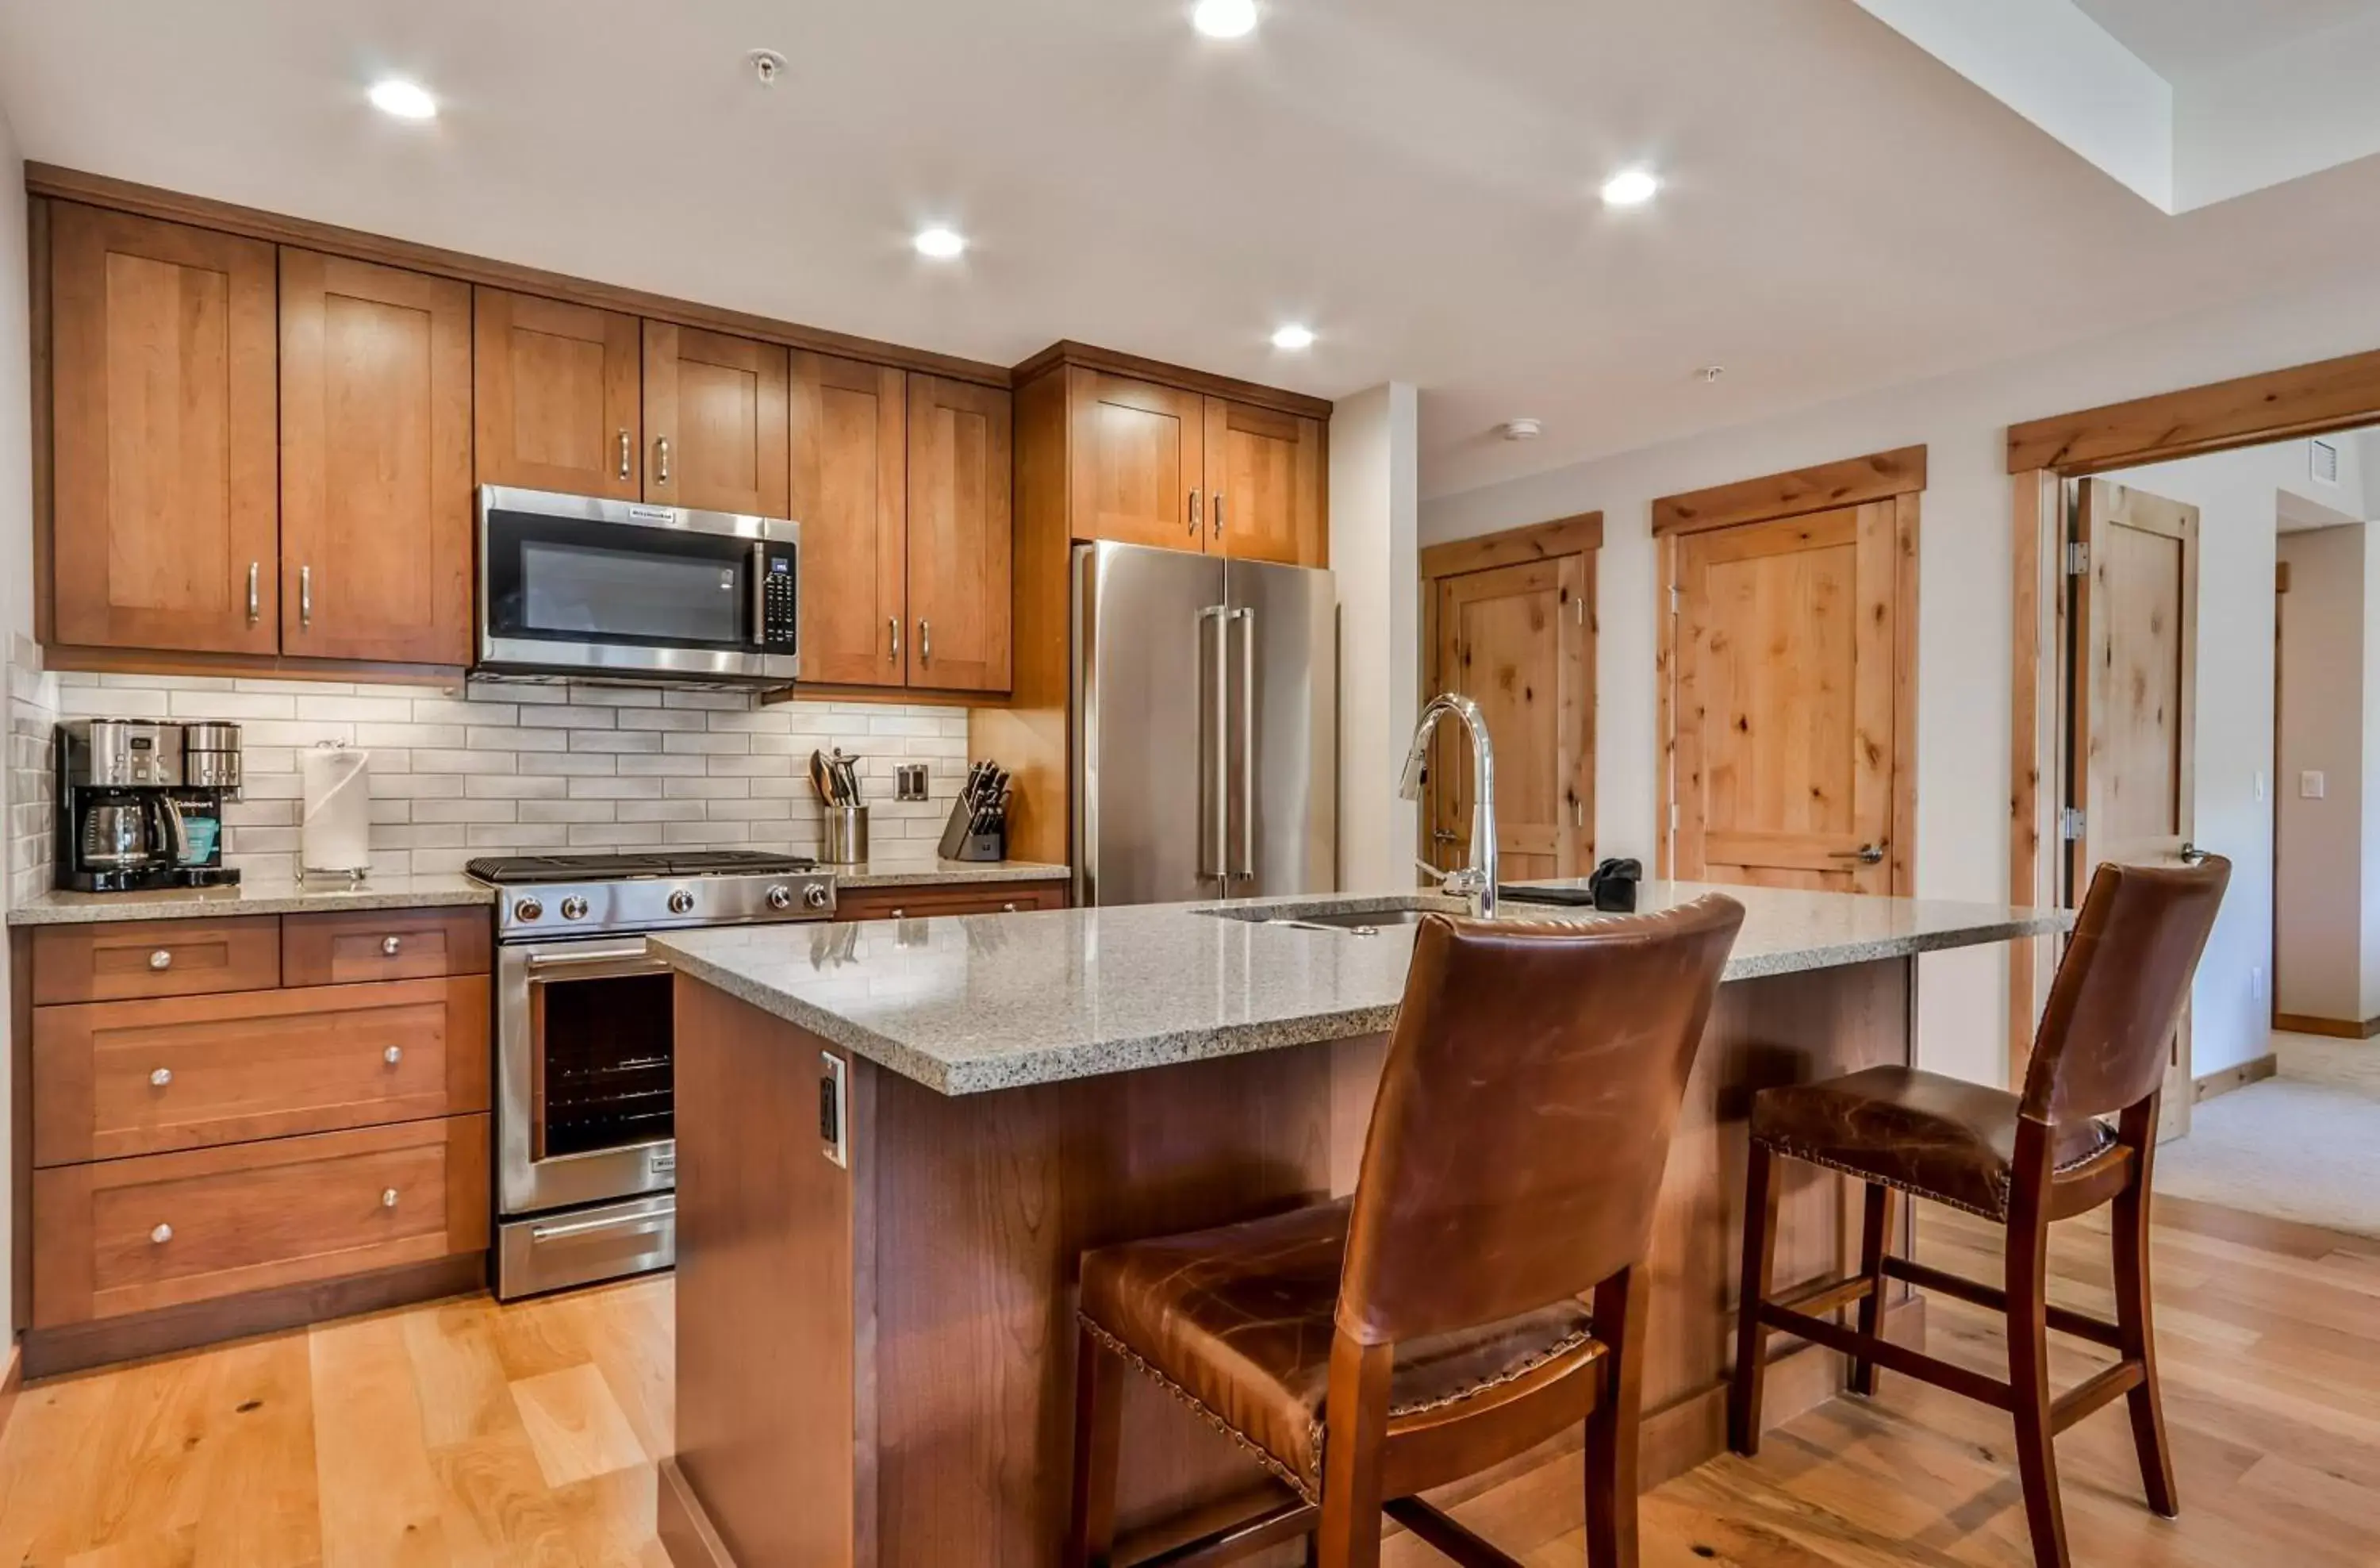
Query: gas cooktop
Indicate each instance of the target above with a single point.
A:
(514, 870)
(569, 896)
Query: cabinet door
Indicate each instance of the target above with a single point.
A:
(850, 465)
(375, 462)
(557, 396)
(959, 609)
(1136, 455)
(714, 421)
(165, 526)
(1264, 485)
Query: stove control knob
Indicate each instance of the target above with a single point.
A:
(573, 908)
(681, 902)
(816, 895)
(781, 897)
(529, 909)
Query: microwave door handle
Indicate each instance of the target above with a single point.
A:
(759, 593)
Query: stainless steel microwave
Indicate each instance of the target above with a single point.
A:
(571, 586)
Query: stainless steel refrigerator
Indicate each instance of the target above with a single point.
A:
(1206, 714)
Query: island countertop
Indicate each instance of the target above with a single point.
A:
(974, 1003)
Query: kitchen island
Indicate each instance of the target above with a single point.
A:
(896, 1139)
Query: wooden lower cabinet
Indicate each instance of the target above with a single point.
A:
(134, 1236)
(130, 960)
(926, 902)
(383, 944)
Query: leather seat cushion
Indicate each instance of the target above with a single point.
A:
(1237, 1321)
(1942, 1138)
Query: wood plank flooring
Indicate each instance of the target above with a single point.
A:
(466, 1433)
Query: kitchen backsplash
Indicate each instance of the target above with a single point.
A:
(505, 768)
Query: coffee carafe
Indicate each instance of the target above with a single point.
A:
(138, 808)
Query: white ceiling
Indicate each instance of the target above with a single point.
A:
(1413, 177)
(2185, 39)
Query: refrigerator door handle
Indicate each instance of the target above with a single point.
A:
(1214, 792)
(1245, 868)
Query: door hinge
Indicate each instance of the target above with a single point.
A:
(1581, 605)
(1674, 599)
(1673, 816)
(2070, 824)
(2078, 558)
(1578, 813)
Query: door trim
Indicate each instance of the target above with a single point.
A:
(1897, 476)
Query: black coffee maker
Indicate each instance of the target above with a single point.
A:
(140, 804)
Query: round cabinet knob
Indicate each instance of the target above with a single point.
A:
(1009, 908)
(816, 896)
(681, 902)
(393, 1055)
(391, 946)
(388, 1198)
(529, 909)
(899, 914)
(161, 1076)
(161, 959)
(162, 1235)
(781, 898)
(573, 908)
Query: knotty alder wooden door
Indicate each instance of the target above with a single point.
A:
(1515, 640)
(1786, 652)
(165, 527)
(1137, 450)
(375, 462)
(959, 612)
(557, 396)
(715, 422)
(2134, 688)
(1264, 485)
(850, 493)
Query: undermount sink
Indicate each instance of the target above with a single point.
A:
(1354, 922)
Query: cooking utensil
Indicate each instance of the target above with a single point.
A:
(819, 782)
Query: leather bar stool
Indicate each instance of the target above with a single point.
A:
(1440, 1321)
(2023, 1161)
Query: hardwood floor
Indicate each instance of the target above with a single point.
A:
(466, 1433)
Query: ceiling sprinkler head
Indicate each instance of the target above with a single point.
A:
(1521, 430)
(767, 65)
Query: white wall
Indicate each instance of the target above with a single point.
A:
(1963, 617)
(1375, 444)
(16, 545)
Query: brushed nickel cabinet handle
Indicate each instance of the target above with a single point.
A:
(893, 623)
(899, 914)
(388, 1198)
(660, 461)
(925, 640)
(391, 946)
(393, 1055)
(255, 603)
(624, 451)
(1194, 511)
(1218, 514)
(305, 598)
(161, 1076)
(1009, 908)
(161, 959)
(162, 1235)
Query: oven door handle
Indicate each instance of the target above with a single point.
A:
(631, 1223)
(596, 955)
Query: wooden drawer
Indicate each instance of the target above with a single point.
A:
(254, 1065)
(949, 899)
(383, 944)
(130, 1236)
(124, 959)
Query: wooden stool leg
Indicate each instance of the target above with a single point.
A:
(1751, 1338)
(1613, 1424)
(2028, 1337)
(1357, 1417)
(1875, 1234)
(1099, 1436)
(2134, 1320)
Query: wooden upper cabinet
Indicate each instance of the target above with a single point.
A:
(959, 535)
(850, 493)
(375, 462)
(1135, 449)
(1264, 485)
(164, 529)
(715, 426)
(557, 404)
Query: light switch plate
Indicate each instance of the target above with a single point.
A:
(2311, 785)
(909, 781)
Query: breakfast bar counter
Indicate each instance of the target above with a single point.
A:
(895, 1139)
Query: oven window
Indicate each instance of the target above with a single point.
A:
(604, 1059)
(578, 587)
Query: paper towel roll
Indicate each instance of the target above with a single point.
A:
(336, 833)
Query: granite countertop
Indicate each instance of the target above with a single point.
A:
(969, 1004)
(262, 895)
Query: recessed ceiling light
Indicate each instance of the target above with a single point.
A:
(1631, 187)
(403, 100)
(940, 243)
(1294, 338)
(1225, 18)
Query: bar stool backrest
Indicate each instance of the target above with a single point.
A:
(2120, 989)
(1524, 1118)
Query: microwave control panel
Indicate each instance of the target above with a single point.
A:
(779, 599)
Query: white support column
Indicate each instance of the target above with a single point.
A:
(1375, 509)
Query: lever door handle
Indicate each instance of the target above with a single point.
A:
(2191, 855)
(1867, 854)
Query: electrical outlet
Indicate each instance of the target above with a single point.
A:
(909, 781)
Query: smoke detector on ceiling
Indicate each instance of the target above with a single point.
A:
(767, 65)
(1521, 430)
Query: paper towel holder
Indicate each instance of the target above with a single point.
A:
(351, 875)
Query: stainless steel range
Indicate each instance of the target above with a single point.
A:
(586, 1151)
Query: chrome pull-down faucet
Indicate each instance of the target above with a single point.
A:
(1475, 881)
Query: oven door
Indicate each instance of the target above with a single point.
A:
(575, 585)
(584, 1081)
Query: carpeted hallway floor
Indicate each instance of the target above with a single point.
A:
(2303, 1146)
